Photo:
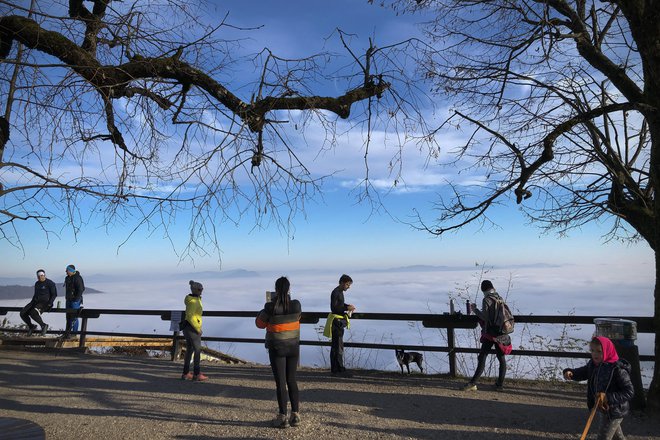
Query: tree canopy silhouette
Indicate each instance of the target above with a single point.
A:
(144, 113)
(560, 103)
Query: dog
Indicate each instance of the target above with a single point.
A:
(404, 358)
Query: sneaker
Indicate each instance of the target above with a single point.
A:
(44, 329)
(187, 376)
(295, 419)
(199, 377)
(470, 387)
(31, 330)
(280, 421)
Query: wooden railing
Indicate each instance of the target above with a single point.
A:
(445, 321)
(449, 322)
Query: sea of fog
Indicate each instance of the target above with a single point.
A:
(606, 290)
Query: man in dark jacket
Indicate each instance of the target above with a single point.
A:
(74, 287)
(339, 309)
(45, 293)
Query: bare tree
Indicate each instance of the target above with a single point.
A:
(559, 100)
(141, 113)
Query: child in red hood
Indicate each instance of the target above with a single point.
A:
(608, 380)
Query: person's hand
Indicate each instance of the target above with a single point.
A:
(601, 398)
(473, 306)
(568, 375)
(350, 307)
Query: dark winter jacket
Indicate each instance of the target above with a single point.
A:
(610, 378)
(337, 304)
(45, 293)
(74, 287)
(282, 329)
(487, 316)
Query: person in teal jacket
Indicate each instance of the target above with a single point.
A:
(192, 331)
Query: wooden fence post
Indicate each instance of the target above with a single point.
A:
(83, 332)
(175, 345)
(452, 354)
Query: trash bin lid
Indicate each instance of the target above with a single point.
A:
(618, 321)
(616, 329)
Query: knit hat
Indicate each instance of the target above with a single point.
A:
(195, 287)
(486, 285)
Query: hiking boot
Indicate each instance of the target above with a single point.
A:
(199, 377)
(295, 419)
(187, 376)
(31, 330)
(44, 329)
(280, 421)
(470, 387)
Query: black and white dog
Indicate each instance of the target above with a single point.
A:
(404, 358)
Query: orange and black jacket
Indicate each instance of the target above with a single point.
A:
(282, 329)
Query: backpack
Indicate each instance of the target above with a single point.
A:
(502, 321)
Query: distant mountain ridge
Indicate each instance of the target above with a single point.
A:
(20, 292)
(431, 268)
(234, 273)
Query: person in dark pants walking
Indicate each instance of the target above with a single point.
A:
(339, 313)
(74, 286)
(281, 319)
(192, 331)
(502, 343)
(45, 293)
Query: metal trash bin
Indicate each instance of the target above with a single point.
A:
(621, 331)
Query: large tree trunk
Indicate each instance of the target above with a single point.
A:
(653, 398)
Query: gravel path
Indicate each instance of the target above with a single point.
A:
(90, 396)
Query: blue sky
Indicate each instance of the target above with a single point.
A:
(337, 233)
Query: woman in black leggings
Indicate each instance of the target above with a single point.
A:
(281, 319)
(192, 331)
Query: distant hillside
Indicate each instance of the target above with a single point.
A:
(19, 292)
(234, 273)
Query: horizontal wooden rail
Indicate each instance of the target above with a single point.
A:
(446, 321)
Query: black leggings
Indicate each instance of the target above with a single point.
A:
(284, 369)
(193, 345)
(483, 354)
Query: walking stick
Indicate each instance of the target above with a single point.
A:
(591, 418)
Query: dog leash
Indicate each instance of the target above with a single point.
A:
(591, 418)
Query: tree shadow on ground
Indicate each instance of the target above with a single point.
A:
(423, 406)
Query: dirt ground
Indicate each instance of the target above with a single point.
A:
(72, 395)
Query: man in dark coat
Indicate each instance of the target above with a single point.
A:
(339, 311)
(45, 293)
(74, 287)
